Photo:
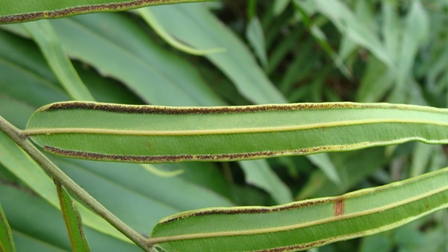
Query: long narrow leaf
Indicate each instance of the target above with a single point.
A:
(305, 224)
(129, 133)
(45, 36)
(20, 11)
(6, 242)
(72, 221)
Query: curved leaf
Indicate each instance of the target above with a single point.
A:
(20, 11)
(128, 133)
(45, 36)
(305, 224)
(236, 63)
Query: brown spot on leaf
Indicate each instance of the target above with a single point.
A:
(339, 206)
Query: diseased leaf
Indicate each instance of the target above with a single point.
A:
(154, 134)
(304, 224)
(14, 11)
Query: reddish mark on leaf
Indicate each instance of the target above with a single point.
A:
(339, 206)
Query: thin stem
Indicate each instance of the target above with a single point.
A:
(16, 135)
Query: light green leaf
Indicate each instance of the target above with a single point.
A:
(348, 167)
(280, 6)
(414, 34)
(145, 67)
(14, 11)
(255, 36)
(324, 163)
(420, 158)
(72, 220)
(348, 24)
(44, 35)
(158, 28)
(236, 63)
(304, 224)
(130, 133)
(6, 241)
(258, 173)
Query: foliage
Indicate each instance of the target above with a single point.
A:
(266, 52)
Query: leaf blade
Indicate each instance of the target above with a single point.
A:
(45, 36)
(308, 223)
(72, 221)
(6, 241)
(25, 11)
(172, 134)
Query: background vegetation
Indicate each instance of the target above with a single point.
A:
(275, 52)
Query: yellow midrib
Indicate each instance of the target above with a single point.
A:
(49, 131)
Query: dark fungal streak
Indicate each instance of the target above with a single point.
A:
(232, 211)
(79, 10)
(176, 158)
(197, 110)
(295, 247)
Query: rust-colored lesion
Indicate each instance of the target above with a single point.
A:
(339, 206)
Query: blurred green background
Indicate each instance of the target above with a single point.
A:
(271, 52)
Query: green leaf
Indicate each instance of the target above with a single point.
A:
(144, 66)
(138, 190)
(23, 64)
(258, 173)
(304, 224)
(129, 133)
(236, 63)
(414, 34)
(14, 11)
(348, 167)
(280, 6)
(72, 220)
(255, 36)
(6, 241)
(44, 35)
(325, 164)
(348, 24)
(158, 28)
